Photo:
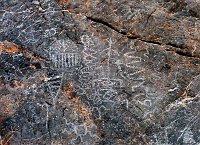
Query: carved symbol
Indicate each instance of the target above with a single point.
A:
(64, 54)
(54, 84)
(87, 70)
(131, 60)
(106, 83)
(65, 60)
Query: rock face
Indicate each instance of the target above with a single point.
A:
(101, 72)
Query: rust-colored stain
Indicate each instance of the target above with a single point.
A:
(77, 105)
(8, 104)
(32, 66)
(16, 84)
(10, 98)
(8, 47)
(5, 140)
(62, 1)
(69, 90)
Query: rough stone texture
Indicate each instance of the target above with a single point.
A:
(101, 72)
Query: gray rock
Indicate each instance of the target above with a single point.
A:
(99, 72)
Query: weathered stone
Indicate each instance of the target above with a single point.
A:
(99, 72)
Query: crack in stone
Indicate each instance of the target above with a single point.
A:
(181, 49)
(96, 20)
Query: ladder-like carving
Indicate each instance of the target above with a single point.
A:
(64, 54)
(65, 60)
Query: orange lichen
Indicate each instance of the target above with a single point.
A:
(42, 78)
(68, 90)
(77, 105)
(5, 140)
(62, 1)
(8, 104)
(83, 112)
(32, 66)
(17, 84)
(8, 47)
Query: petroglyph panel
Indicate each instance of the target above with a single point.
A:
(99, 72)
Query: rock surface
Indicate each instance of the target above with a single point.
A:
(101, 72)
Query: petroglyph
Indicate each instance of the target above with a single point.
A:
(65, 60)
(64, 54)
(106, 83)
(99, 72)
(54, 85)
